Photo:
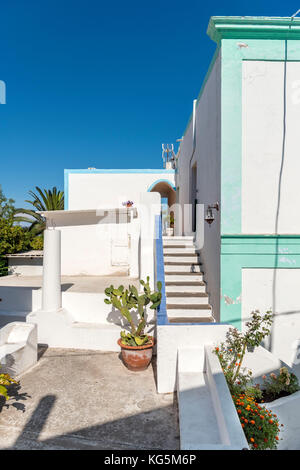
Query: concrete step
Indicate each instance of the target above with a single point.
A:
(190, 315)
(191, 259)
(186, 278)
(182, 268)
(181, 241)
(188, 251)
(178, 290)
(178, 237)
(187, 301)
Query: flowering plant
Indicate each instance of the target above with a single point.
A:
(127, 203)
(276, 386)
(5, 381)
(260, 425)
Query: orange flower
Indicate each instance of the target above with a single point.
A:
(243, 425)
(239, 411)
(252, 422)
(246, 421)
(251, 439)
(277, 438)
(271, 421)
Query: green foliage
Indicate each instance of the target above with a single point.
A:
(44, 200)
(260, 426)
(285, 383)
(37, 243)
(126, 300)
(13, 237)
(231, 352)
(5, 381)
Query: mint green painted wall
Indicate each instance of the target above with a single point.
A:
(251, 251)
(231, 119)
(245, 251)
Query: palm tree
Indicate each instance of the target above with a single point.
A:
(45, 200)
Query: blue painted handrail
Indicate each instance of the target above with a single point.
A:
(162, 318)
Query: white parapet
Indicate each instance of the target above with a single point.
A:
(170, 338)
(18, 347)
(207, 416)
(51, 295)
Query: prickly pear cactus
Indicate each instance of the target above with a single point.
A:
(129, 299)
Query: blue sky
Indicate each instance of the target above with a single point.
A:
(103, 84)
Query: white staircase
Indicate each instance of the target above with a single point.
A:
(187, 300)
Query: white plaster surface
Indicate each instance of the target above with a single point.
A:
(170, 338)
(207, 156)
(18, 347)
(262, 148)
(263, 289)
(93, 191)
(207, 415)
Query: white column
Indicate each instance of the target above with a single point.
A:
(51, 294)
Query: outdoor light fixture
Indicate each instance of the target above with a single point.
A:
(209, 217)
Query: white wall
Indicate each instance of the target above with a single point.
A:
(262, 117)
(94, 245)
(25, 266)
(258, 287)
(207, 155)
(94, 190)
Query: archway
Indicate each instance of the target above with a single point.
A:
(167, 192)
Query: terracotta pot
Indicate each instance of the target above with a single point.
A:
(137, 358)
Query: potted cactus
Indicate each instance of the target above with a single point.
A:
(136, 346)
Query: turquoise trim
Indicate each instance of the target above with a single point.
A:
(66, 190)
(255, 27)
(251, 251)
(161, 181)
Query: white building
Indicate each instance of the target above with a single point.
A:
(238, 158)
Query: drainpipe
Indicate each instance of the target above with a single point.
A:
(192, 155)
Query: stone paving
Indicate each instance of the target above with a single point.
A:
(75, 399)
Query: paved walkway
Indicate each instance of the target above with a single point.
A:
(74, 399)
(70, 283)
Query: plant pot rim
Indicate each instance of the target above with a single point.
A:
(144, 346)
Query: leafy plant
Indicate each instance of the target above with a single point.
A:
(44, 200)
(171, 219)
(126, 300)
(260, 425)
(285, 383)
(231, 352)
(5, 381)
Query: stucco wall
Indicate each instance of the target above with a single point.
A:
(208, 160)
(278, 289)
(270, 146)
(94, 245)
(101, 188)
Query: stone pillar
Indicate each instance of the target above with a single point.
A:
(51, 293)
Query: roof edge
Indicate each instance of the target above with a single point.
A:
(256, 27)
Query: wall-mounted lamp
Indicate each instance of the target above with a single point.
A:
(209, 217)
